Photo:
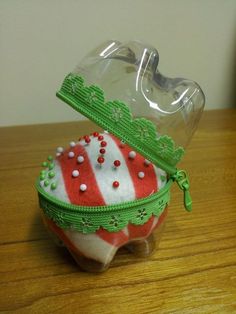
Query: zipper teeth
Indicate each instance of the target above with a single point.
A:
(108, 208)
(161, 163)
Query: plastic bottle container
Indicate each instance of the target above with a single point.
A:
(112, 189)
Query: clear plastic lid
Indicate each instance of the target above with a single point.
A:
(129, 73)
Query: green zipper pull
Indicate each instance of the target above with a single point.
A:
(181, 178)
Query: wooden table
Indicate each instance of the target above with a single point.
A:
(194, 270)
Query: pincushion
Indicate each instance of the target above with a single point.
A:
(85, 174)
(100, 171)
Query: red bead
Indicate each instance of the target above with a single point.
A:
(87, 140)
(100, 137)
(103, 143)
(102, 151)
(116, 163)
(116, 184)
(100, 160)
(95, 134)
(86, 137)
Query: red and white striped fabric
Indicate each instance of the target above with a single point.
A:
(99, 178)
(103, 245)
(136, 177)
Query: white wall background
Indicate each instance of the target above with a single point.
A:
(42, 40)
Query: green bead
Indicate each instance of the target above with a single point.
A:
(44, 164)
(50, 158)
(42, 176)
(46, 183)
(53, 186)
(51, 174)
(51, 166)
(43, 172)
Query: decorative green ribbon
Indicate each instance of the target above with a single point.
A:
(139, 133)
(113, 218)
(115, 116)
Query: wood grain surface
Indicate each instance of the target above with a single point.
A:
(194, 270)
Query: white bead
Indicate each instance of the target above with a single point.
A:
(83, 187)
(80, 159)
(141, 174)
(58, 154)
(71, 154)
(72, 144)
(75, 173)
(132, 154)
(60, 149)
(147, 162)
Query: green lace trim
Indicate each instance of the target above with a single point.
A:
(115, 116)
(113, 218)
(139, 133)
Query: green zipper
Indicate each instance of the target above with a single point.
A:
(112, 218)
(182, 180)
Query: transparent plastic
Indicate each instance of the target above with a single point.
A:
(99, 256)
(129, 72)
